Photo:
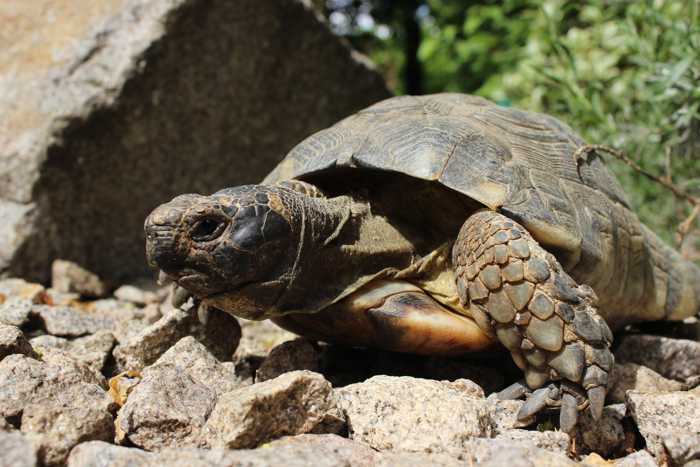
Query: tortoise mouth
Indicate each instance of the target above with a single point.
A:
(202, 286)
(198, 283)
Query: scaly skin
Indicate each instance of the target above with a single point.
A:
(519, 293)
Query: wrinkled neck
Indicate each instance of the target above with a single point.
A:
(340, 245)
(317, 222)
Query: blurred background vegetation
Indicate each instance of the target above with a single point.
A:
(621, 73)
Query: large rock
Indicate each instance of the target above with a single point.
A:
(111, 107)
(669, 423)
(15, 311)
(57, 403)
(217, 330)
(56, 426)
(26, 381)
(93, 350)
(677, 359)
(68, 277)
(193, 358)
(14, 287)
(168, 408)
(168, 404)
(99, 453)
(502, 452)
(683, 448)
(68, 321)
(412, 414)
(548, 440)
(141, 293)
(294, 403)
(632, 377)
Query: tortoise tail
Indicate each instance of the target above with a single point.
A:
(676, 281)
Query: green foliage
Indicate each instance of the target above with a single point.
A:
(623, 73)
(469, 48)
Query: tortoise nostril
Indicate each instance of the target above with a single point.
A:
(161, 246)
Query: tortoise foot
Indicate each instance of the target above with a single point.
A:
(567, 398)
(520, 294)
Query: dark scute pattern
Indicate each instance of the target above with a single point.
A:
(275, 226)
(236, 190)
(521, 162)
(247, 228)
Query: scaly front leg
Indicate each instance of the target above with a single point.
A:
(519, 292)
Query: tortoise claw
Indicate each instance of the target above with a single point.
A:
(535, 403)
(568, 415)
(596, 396)
(517, 390)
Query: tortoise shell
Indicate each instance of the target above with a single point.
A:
(520, 163)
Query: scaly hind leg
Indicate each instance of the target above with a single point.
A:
(519, 292)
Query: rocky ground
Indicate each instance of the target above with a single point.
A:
(96, 376)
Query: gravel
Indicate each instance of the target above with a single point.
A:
(129, 380)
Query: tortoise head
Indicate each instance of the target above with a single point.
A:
(234, 248)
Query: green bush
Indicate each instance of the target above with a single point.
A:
(622, 73)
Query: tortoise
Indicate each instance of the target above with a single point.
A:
(437, 225)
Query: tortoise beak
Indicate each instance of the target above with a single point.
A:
(161, 245)
(162, 239)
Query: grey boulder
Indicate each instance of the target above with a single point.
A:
(69, 321)
(115, 107)
(193, 358)
(170, 401)
(15, 310)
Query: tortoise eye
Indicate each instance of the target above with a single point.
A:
(207, 229)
